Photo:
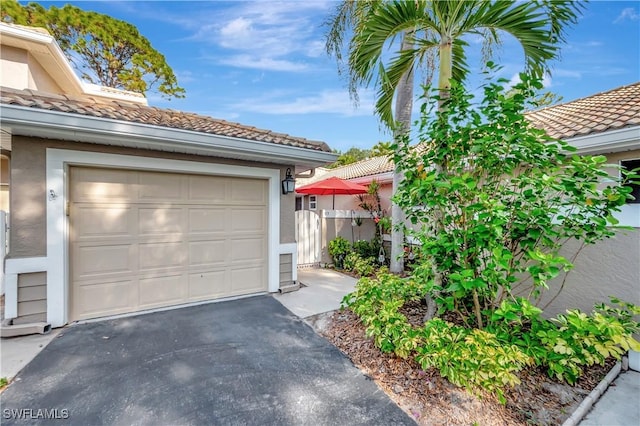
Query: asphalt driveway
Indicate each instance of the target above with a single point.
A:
(247, 362)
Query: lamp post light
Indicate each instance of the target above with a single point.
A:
(289, 183)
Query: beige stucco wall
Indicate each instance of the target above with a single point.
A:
(351, 202)
(608, 268)
(287, 213)
(20, 70)
(615, 158)
(14, 67)
(28, 192)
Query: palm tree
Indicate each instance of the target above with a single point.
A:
(435, 29)
(438, 28)
(351, 15)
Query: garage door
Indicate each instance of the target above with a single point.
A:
(143, 240)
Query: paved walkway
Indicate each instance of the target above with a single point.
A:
(322, 292)
(241, 362)
(619, 405)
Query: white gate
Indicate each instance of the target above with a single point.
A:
(309, 238)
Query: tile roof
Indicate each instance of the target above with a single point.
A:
(614, 109)
(362, 168)
(141, 114)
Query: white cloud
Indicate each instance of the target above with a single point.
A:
(315, 49)
(627, 13)
(238, 27)
(267, 64)
(274, 34)
(326, 102)
(567, 73)
(185, 76)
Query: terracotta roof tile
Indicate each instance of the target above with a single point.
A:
(136, 113)
(615, 109)
(362, 168)
(605, 111)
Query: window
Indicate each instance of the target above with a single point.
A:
(313, 202)
(298, 203)
(635, 187)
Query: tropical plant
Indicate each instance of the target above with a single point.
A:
(339, 247)
(431, 30)
(372, 203)
(382, 149)
(351, 15)
(437, 30)
(489, 359)
(352, 155)
(365, 248)
(103, 49)
(506, 202)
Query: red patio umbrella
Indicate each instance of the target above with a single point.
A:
(333, 186)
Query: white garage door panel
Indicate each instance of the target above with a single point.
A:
(161, 291)
(207, 253)
(160, 220)
(247, 220)
(112, 185)
(104, 259)
(250, 250)
(200, 287)
(244, 280)
(104, 298)
(162, 187)
(202, 188)
(102, 220)
(207, 220)
(162, 239)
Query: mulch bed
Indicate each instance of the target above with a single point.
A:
(432, 400)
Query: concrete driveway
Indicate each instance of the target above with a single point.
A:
(245, 362)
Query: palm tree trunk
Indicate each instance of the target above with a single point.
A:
(404, 106)
(445, 71)
(444, 87)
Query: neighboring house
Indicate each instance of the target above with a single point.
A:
(318, 222)
(606, 123)
(117, 207)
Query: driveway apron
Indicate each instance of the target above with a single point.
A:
(243, 362)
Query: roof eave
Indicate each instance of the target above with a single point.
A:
(618, 140)
(25, 121)
(52, 58)
(385, 177)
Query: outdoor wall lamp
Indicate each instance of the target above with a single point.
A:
(289, 183)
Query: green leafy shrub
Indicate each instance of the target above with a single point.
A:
(377, 301)
(338, 248)
(497, 199)
(568, 343)
(489, 359)
(470, 358)
(366, 249)
(365, 266)
(350, 261)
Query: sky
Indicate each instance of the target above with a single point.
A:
(263, 63)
